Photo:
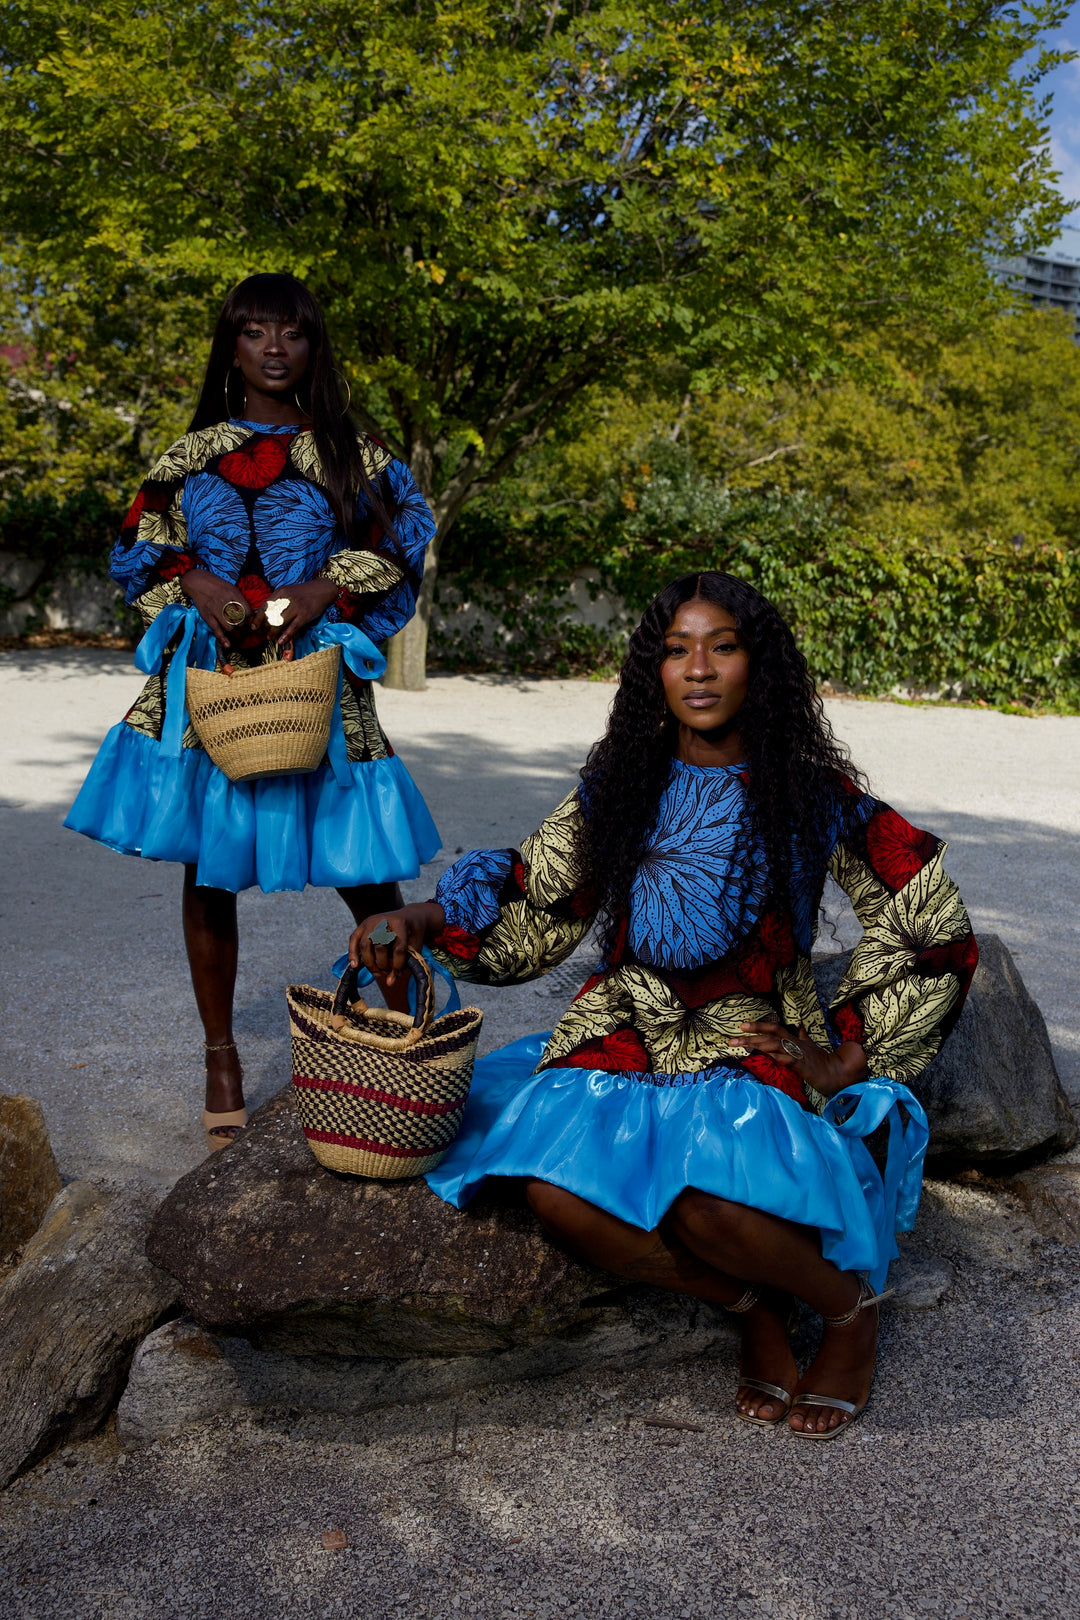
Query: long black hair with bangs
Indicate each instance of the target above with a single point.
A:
(272, 297)
(795, 766)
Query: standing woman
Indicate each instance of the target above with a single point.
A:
(696, 1119)
(270, 515)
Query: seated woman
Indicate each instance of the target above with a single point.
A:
(696, 1119)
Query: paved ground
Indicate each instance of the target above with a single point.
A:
(955, 1496)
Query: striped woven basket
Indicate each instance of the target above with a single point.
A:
(377, 1092)
(273, 720)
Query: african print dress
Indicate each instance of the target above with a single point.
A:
(246, 501)
(643, 1090)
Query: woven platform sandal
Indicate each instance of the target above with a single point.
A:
(866, 1298)
(746, 1302)
(222, 1128)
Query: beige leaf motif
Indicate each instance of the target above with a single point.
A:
(927, 911)
(550, 855)
(524, 943)
(903, 1023)
(866, 892)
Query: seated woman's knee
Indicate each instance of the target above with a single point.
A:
(699, 1216)
(556, 1209)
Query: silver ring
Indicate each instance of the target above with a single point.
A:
(792, 1048)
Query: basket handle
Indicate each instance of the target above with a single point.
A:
(425, 991)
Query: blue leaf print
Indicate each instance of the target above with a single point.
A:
(295, 531)
(468, 891)
(219, 531)
(701, 883)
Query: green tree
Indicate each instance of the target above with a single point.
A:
(504, 202)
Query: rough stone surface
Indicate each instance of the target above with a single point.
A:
(29, 1179)
(264, 1241)
(919, 1281)
(992, 1095)
(183, 1374)
(71, 1315)
(1050, 1194)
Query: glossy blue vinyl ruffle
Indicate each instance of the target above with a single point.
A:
(631, 1148)
(280, 832)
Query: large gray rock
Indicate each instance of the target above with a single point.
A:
(71, 1315)
(992, 1094)
(263, 1241)
(183, 1374)
(29, 1179)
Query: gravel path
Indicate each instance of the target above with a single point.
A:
(955, 1495)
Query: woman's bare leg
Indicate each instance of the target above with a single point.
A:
(780, 1254)
(662, 1260)
(210, 934)
(364, 901)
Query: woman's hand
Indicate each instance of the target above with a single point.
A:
(307, 602)
(827, 1071)
(411, 926)
(210, 594)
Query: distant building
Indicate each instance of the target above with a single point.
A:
(1049, 280)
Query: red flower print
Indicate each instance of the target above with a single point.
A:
(960, 957)
(254, 589)
(771, 946)
(621, 1052)
(256, 463)
(771, 1073)
(174, 565)
(697, 990)
(458, 942)
(517, 872)
(897, 850)
(849, 1026)
(135, 512)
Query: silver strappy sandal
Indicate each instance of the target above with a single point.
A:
(745, 1303)
(866, 1298)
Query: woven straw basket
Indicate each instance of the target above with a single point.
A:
(273, 720)
(378, 1093)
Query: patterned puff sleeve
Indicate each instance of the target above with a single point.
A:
(909, 974)
(512, 917)
(151, 555)
(377, 593)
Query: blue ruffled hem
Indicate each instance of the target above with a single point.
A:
(631, 1149)
(280, 832)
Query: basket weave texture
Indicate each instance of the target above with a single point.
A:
(375, 1095)
(273, 720)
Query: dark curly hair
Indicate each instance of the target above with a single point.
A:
(795, 766)
(273, 297)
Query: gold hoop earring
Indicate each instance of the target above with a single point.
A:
(348, 390)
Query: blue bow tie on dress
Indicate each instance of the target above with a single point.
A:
(197, 648)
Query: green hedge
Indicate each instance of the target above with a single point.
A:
(994, 623)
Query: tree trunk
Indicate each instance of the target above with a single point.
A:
(406, 653)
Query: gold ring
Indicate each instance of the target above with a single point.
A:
(234, 613)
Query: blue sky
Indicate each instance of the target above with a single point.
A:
(1065, 124)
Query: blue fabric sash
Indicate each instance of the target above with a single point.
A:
(869, 1104)
(362, 657)
(197, 647)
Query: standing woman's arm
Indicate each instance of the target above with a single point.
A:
(150, 556)
(910, 972)
(377, 588)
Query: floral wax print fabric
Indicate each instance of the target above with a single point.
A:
(247, 502)
(643, 1088)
